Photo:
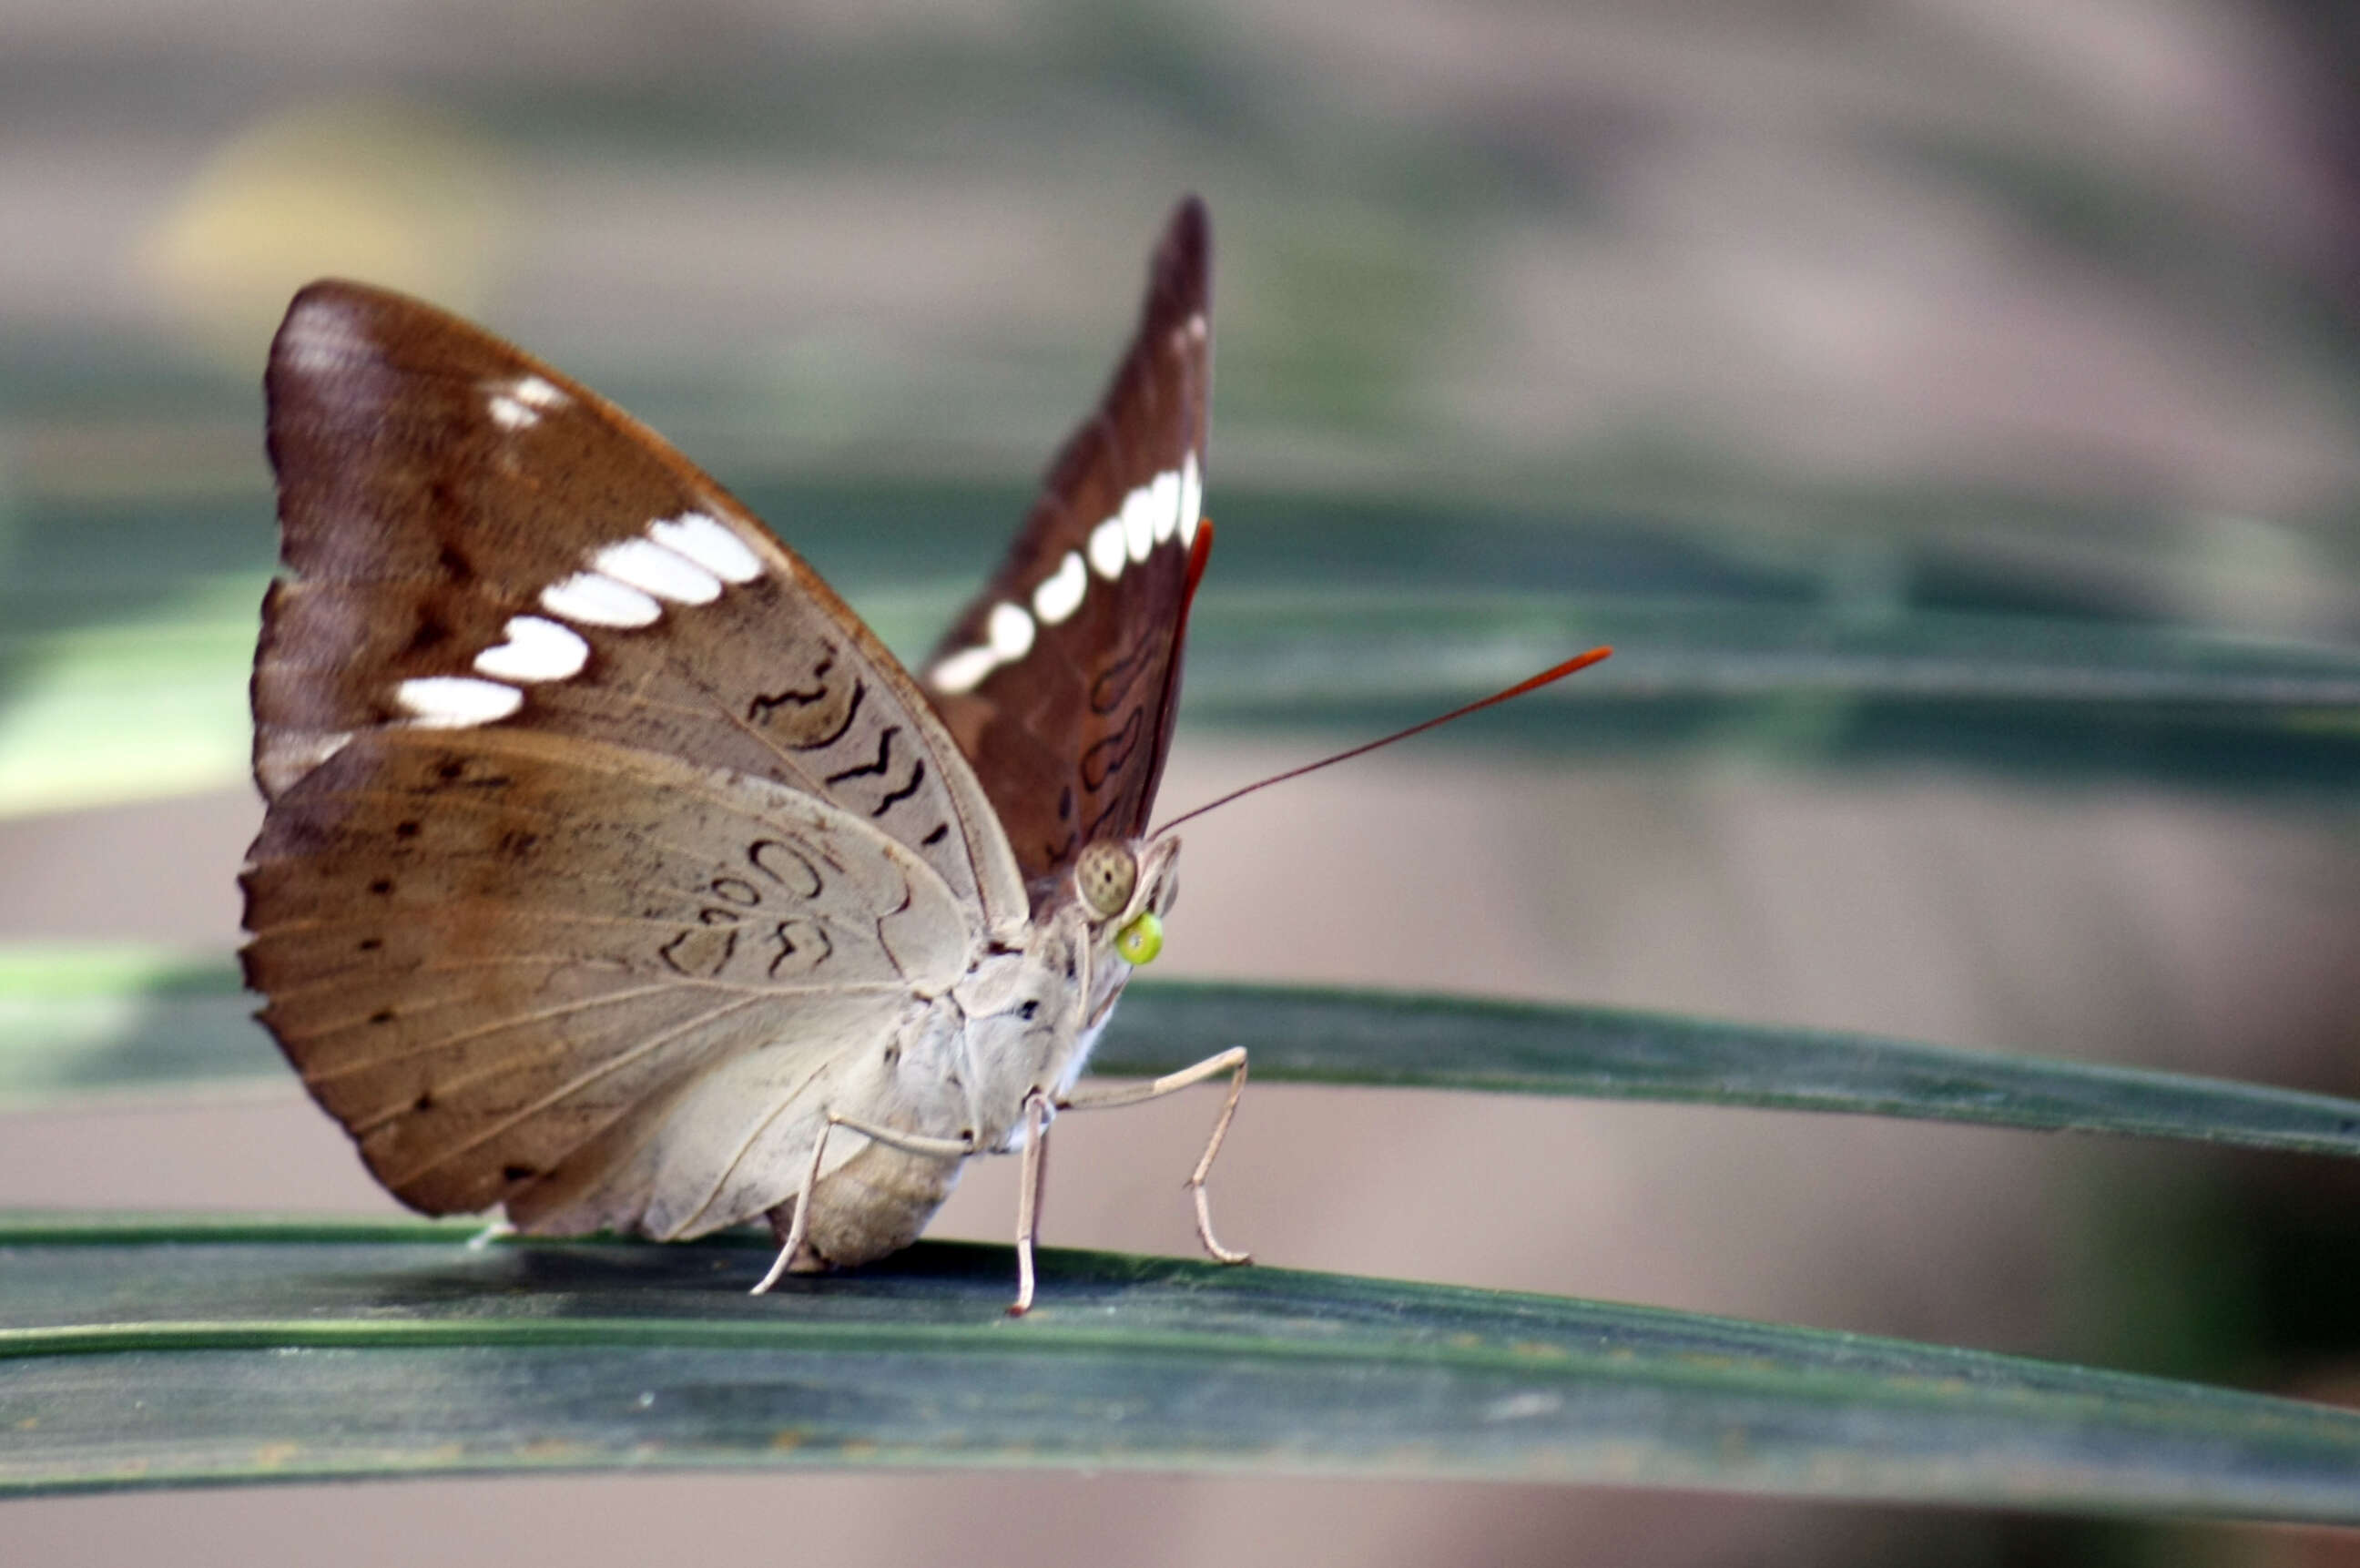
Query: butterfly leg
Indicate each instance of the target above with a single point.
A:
(1028, 1196)
(498, 1231)
(1231, 1062)
(799, 1226)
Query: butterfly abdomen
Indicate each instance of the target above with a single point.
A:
(875, 1203)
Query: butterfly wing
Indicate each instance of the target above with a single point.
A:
(1061, 680)
(517, 633)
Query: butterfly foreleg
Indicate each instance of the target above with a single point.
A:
(1231, 1062)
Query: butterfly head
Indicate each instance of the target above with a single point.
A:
(1125, 887)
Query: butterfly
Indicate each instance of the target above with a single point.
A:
(613, 873)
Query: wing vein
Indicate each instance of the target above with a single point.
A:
(568, 1089)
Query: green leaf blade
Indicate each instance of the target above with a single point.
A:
(78, 1022)
(1407, 1040)
(149, 1354)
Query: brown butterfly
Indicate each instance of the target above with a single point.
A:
(616, 875)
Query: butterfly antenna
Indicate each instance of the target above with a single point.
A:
(1531, 684)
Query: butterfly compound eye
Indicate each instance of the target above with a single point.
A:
(1105, 875)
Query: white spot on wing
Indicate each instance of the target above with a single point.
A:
(1164, 501)
(588, 599)
(1107, 549)
(1139, 522)
(1011, 631)
(511, 414)
(536, 650)
(456, 702)
(1192, 498)
(1196, 326)
(649, 566)
(708, 541)
(535, 392)
(963, 672)
(1061, 595)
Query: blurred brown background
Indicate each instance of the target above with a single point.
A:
(2073, 280)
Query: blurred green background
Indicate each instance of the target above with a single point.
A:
(1950, 410)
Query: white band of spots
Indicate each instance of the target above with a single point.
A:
(646, 565)
(456, 702)
(709, 543)
(587, 598)
(536, 650)
(1149, 515)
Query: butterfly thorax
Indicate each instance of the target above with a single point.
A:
(1021, 1024)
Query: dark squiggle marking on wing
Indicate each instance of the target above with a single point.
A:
(763, 707)
(917, 777)
(789, 948)
(1114, 683)
(818, 744)
(1107, 755)
(692, 955)
(884, 758)
(779, 862)
(737, 890)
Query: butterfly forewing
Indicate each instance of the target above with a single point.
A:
(1061, 680)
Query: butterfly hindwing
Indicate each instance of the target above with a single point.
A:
(1061, 680)
(568, 943)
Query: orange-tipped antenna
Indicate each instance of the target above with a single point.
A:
(1554, 672)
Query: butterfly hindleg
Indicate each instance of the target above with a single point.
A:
(1231, 1062)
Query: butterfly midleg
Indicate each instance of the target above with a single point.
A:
(799, 1226)
(1028, 1196)
(1231, 1062)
